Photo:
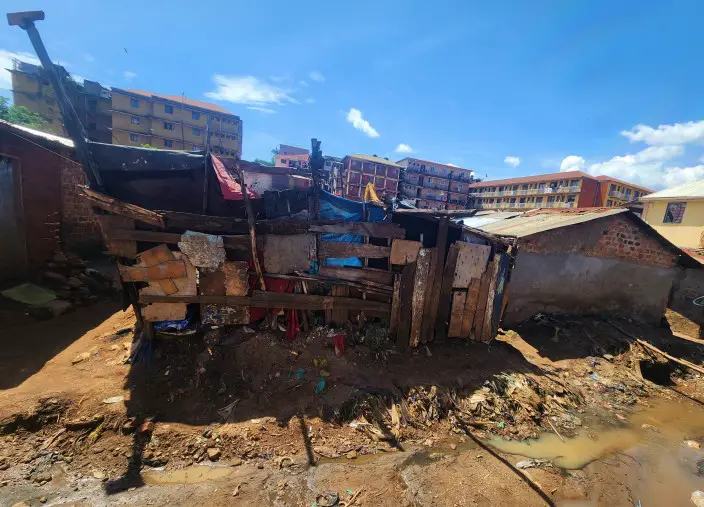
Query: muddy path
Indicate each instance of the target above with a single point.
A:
(552, 413)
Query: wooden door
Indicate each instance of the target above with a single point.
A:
(12, 251)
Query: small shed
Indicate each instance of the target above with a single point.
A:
(41, 210)
(604, 261)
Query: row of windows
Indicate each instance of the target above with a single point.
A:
(195, 115)
(530, 186)
(135, 120)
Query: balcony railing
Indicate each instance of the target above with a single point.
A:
(616, 194)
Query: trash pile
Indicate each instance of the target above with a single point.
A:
(66, 282)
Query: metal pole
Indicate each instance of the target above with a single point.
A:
(25, 20)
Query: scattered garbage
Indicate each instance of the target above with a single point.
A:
(697, 498)
(300, 373)
(320, 386)
(533, 463)
(113, 399)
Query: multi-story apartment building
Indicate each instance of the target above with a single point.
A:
(32, 89)
(431, 185)
(173, 122)
(360, 170)
(292, 157)
(571, 189)
(614, 192)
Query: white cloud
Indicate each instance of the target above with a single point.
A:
(303, 83)
(316, 76)
(572, 163)
(6, 58)
(309, 101)
(264, 110)
(512, 161)
(403, 148)
(451, 164)
(354, 117)
(248, 90)
(129, 75)
(675, 134)
(88, 57)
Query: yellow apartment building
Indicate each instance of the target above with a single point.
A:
(614, 192)
(172, 122)
(678, 213)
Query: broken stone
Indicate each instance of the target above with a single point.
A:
(42, 499)
(50, 310)
(42, 477)
(351, 455)
(203, 250)
(208, 433)
(214, 453)
(113, 399)
(608, 357)
(98, 474)
(692, 444)
(81, 357)
(236, 462)
(453, 446)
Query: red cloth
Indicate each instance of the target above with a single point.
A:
(231, 190)
(339, 342)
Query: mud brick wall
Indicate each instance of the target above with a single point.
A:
(614, 237)
(80, 231)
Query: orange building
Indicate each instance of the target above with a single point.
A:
(615, 192)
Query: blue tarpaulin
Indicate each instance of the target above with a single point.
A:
(333, 207)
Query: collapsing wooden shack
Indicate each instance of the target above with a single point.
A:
(430, 277)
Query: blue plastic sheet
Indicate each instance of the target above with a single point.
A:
(333, 207)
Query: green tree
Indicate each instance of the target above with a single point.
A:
(264, 162)
(20, 115)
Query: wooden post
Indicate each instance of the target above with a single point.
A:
(252, 233)
(419, 293)
(445, 297)
(405, 309)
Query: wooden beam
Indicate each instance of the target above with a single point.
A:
(459, 298)
(238, 243)
(493, 270)
(404, 251)
(171, 269)
(376, 277)
(481, 305)
(374, 229)
(119, 207)
(337, 249)
(435, 284)
(470, 308)
(230, 225)
(419, 291)
(395, 306)
(405, 310)
(262, 299)
(445, 296)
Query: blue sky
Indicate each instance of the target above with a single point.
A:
(504, 88)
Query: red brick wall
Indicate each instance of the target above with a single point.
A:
(589, 194)
(80, 232)
(614, 237)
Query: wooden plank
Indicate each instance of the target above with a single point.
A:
(157, 312)
(395, 306)
(470, 307)
(171, 269)
(445, 296)
(374, 229)
(340, 317)
(229, 225)
(437, 264)
(117, 247)
(237, 243)
(377, 276)
(119, 207)
(336, 249)
(418, 299)
(454, 330)
(404, 251)
(479, 315)
(185, 286)
(262, 299)
(489, 314)
(155, 256)
(471, 263)
(405, 311)
(427, 328)
(236, 278)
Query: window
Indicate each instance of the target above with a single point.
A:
(168, 109)
(168, 126)
(459, 188)
(134, 103)
(196, 132)
(197, 147)
(195, 115)
(134, 120)
(168, 143)
(674, 212)
(430, 180)
(432, 168)
(283, 161)
(134, 138)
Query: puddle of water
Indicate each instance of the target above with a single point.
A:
(673, 423)
(187, 475)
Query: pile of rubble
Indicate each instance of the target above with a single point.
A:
(74, 283)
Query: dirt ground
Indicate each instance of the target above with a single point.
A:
(246, 417)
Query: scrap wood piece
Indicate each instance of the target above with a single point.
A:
(251, 227)
(404, 251)
(373, 229)
(437, 264)
(170, 269)
(430, 309)
(457, 313)
(683, 362)
(419, 291)
(155, 256)
(373, 277)
(119, 207)
(445, 297)
(185, 286)
(120, 247)
(470, 308)
(395, 304)
(239, 244)
(236, 278)
(338, 249)
(204, 250)
(157, 312)
(471, 263)
(478, 326)
(339, 317)
(405, 310)
(491, 293)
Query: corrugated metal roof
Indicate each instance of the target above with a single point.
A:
(64, 141)
(691, 190)
(543, 220)
(480, 219)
